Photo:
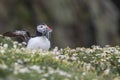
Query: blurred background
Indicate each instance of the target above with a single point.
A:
(75, 23)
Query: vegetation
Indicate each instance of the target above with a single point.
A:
(74, 22)
(95, 63)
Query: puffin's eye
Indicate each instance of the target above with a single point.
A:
(41, 26)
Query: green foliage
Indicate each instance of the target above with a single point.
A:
(96, 63)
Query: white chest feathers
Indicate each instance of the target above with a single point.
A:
(39, 43)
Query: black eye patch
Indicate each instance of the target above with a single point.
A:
(41, 26)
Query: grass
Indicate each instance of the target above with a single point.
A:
(95, 63)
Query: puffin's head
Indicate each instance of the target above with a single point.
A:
(43, 30)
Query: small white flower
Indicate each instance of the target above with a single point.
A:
(46, 75)
(8, 38)
(119, 60)
(23, 48)
(15, 46)
(56, 57)
(103, 54)
(2, 51)
(20, 44)
(3, 66)
(76, 78)
(55, 49)
(20, 61)
(96, 47)
(17, 67)
(15, 42)
(36, 68)
(84, 73)
(5, 45)
(73, 58)
(62, 56)
(34, 51)
(24, 70)
(106, 72)
(24, 43)
(88, 66)
(89, 50)
(75, 55)
(84, 57)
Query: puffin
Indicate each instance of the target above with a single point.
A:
(39, 41)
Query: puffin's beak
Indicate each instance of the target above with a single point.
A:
(49, 29)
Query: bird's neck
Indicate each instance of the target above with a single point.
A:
(39, 33)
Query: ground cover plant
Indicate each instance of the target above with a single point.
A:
(95, 63)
